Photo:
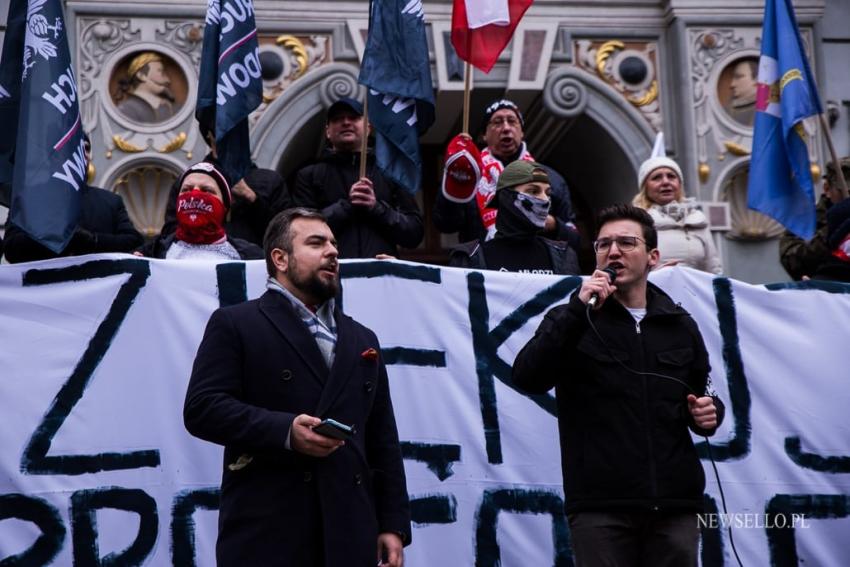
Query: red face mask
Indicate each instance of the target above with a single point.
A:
(200, 217)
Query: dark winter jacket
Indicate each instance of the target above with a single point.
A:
(625, 442)
(471, 255)
(394, 221)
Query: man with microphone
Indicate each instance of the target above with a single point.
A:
(630, 374)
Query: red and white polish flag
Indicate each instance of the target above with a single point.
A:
(482, 28)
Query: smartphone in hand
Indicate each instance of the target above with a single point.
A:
(334, 429)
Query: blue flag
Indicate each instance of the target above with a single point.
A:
(780, 182)
(401, 97)
(41, 143)
(230, 86)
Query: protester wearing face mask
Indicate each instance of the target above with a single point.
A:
(202, 205)
(523, 201)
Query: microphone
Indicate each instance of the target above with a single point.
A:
(612, 275)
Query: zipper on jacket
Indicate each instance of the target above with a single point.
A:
(647, 420)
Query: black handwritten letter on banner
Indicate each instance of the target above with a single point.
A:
(35, 459)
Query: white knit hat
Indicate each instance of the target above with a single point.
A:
(654, 163)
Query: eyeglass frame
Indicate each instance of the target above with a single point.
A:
(513, 122)
(617, 240)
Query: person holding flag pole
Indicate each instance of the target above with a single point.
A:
(780, 181)
(480, 31)
(369, 201)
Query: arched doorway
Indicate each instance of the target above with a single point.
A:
(578, 125)
(595, 138)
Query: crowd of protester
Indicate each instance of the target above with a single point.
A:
(523, 222)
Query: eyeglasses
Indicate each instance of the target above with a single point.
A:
(624, 243)
(498, 123)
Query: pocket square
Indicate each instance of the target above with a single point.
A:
(369, 354)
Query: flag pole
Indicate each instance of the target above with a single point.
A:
(365, 141)
(842, 183)
(364, 144)
(466, 74)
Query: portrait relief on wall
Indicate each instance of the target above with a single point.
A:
(148, 87)
(737, 89)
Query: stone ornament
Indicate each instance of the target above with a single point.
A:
(630, 67)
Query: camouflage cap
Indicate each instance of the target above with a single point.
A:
(522, 171)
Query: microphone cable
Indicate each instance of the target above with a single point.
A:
(689, 389)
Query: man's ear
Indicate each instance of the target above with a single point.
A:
(280, 259)
(654, 258)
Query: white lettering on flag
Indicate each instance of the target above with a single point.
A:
(414, 7)
(73, 170)
(64, 91)
(239, 72)
(398, 104)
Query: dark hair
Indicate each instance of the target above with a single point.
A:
(279, 232)
(753, 64)
(622, 211)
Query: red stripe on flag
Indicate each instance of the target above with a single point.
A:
(68, 135)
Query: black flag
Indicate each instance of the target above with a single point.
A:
(230, 86)
(41, 142)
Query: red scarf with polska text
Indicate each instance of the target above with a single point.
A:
(200, 217)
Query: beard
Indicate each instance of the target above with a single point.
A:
(312, 284)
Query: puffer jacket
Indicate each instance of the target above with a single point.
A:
(683, 235)
(624, 436)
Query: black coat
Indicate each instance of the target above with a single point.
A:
(624, 437)
(471, 255)
(104, 226)
(833, 269)
(246, 220)
(395, 221)
(283, 506)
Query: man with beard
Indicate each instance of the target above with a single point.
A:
(630, 372)
(266, 374)
(146, 93)
(505, 143)
(202, 204)
(523, 201)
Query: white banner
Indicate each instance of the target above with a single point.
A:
(96, 352)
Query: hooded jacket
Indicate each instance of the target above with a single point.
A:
(624, 436)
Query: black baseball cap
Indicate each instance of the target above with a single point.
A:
(345, 103)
